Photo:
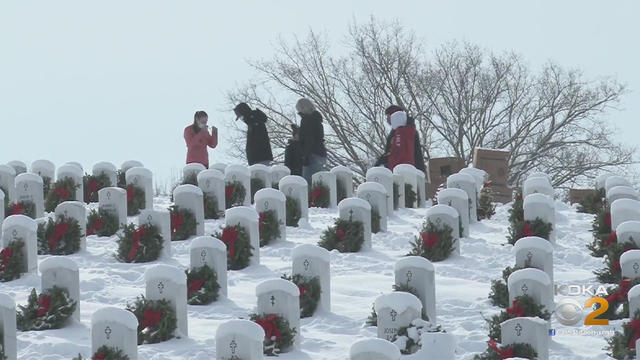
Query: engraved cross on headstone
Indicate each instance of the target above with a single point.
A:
(636, 267)
(107, 332)
(26, 186)
(234, 177)
(233, 345)
(306, 264)
(524, 288)
(160, 287)
(135, 180)
(273, 300)
(393, 314)
(14, 234)
(108, 195)
(438, 221)
(266, 205)
(518, 329)
(149, 219)
(529, 256)
(290, 191)
(203, 255)
(409, 276)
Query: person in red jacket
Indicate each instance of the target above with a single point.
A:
(405, 126)
(198, 138)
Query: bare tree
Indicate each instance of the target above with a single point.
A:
(461, 97)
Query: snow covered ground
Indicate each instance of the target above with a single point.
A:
(462, 286)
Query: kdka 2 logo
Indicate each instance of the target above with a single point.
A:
(570, 312)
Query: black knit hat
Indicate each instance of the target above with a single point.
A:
(242, 109)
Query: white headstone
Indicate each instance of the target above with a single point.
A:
(108, 169)
(29, 188)
(358, 210)
(613, 181)
(441, 215)
(143, 178)
(422, 188)
(396, 310)
(439, 345)
(398, 181)
(310, 261)
(162, 220)
(190, 197)
(114, 200)
(630, 264)
(527, 330)
(75, 210)
(621, 192)
(532, 282)
(281, 297)
(537, 185)
(246, 217)
(75, 173)
(262, 172)
(344, 180)
(8, 326)
(385, 177)
(296, 187)
(76, 164)
(192, 169)
(540, 206)
(376, 195)
(239, 339)
(329, 180)
(207, 250)
(272, 199)
(624, 210)
(19, 166)
(601, 180)
(170, 283)
(8, 181)
(212, 183)
(219, 166)
(20, 227)
(277, 173)
(634, 300)
(374, 349)
(62, 272)
(628, 231)
(117, 328)
(533, 251)
(243, 175)
(44, 168)
(457, 199)
(467, 183)
(418, 273)
(539, 174)
(408, 173)
(130, 164)
(480, 175)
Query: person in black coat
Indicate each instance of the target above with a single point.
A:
(293, 152)
(258, 145)
(314, 153)
(418, 155)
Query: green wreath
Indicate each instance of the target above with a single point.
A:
(601, 230)
(24, 207)
(190, 179)
(12, 261)
(309, 293)
(612, 273)
(234, 193)
(278, 333)
(537, 227)
(499, 294)
(122, 179)
(410, 196)
(375, 220)
(61, 191)
(139, 244)
(256, 184)
(434, 243)
(211, 209)
(622, 344)
(486, 209)
(413, 332)
(183, 223)
(105, 352)
(344, 235)
(372, 319)
(320, 195)
(92, 184)
(102, 223)
(396, 196)
(239, 249)
(617, 300)
(156, 320)
(522, 306)
(293, 212)
(135, 199)
(49, 310)
(516, 213)
(593, 202)
(269, 226)
(59, 237)
(494, 352)
(202, 286)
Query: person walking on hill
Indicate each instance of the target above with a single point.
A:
(314, 153)
(198, 138)
(258, 146)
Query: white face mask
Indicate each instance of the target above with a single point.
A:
(202, 125)
(398, 119)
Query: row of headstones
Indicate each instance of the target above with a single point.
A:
(538, 203)
(616, 187)
(624, 205)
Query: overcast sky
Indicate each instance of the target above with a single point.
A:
(115, 80)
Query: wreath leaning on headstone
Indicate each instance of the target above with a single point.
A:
(496, 352)
(139, 244)
(156, 320)
(309, 293)
(603, 234)
(239, 249)
(46, 187)
(522, 306)
(319, 195)
(499, 294)
(375, 220)
(278, 333)
(183, 223)
(612, 274)
(202, 286)
(11, 260)
(409, 338)
(135, 199)
(24, 207)
(256, 184)
(105, 352)
(211, 207)
(49, 310)
(524, 228)
(434, 243)
(486, 209)
(293, 212)
(593, 202)
(234, 193)
(618, 300)
(102, 223)
(269, 226)
(410, 196)
(122, 179)
(61, 191)
(92, 184)
(372, 319)
(59, 237)
(622, 345)
(516, 213)
(344, 235)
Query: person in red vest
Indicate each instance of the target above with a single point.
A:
(403, 143)
(198, 138)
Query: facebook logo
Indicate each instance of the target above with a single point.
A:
(552, 332)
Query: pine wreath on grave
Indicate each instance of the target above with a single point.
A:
(612, 274)
(139, 244)
(602, 233)
(49, 310)
(486, 208)
(11, 260)
(156, 320)
(522, 306)
(183, 223)
(59, 237)
(122, 179)
(293, 212)
(190, 179)
(396, 196)
(516, 213)
(92, 184)
(24, 207)
(593, 202)
(234, 193)
(617, 297)
(499, 294)
(344, 235)
(319, 195)
(135, 200)
(256, 184)
(410, 196)
(309, 293)
(105, 352)
(211, 207)
(537, 227)
(61, 191)
(372, 319)
(102, 223)
(239, 249)
(202, 286)
(278, 333)
(496, 352)
(269, 226)
(622, 345)
(435, 242)
(375, 220)
(409, 338)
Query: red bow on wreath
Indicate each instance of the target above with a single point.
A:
(5, 254)
(97, 224)
(93, 187)
(607, 220)
(315, 194)
(176, 222)
(528, 230)
(340, 234)
(228, 192)
(261, 220)
(303, 289)
(135, 242)
(195, 285)
(44, 304)
(62, 193)
(129, 194)
(429, 239)
(98, 356)
(504, 354)
(17, 209)
(620, 295)
(516, 309)
(634, 325)
(230, 237)
(150, 318)
(613, 237)
(270, 327)
(58, 232)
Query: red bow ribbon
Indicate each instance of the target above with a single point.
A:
(44, 304)
(504, 354)
(129, 194)
(5, 254)
(613, 237)
(58, 233)
(261, 220)
(607, 220)
(230, 237)
(176, 222)
(17, 209)
(528, 230)
(228, 192)
(634, 325)
(150, 318)
(98, 356)
(616, 266)
(516, 309)
(135, 242)
(315, 194)
(429, 240)
(93, 187)
(62, 193)
(269, 325)
(620, 295)
(195, 285)
(303, 289)
(94, 227)
(340, 234)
